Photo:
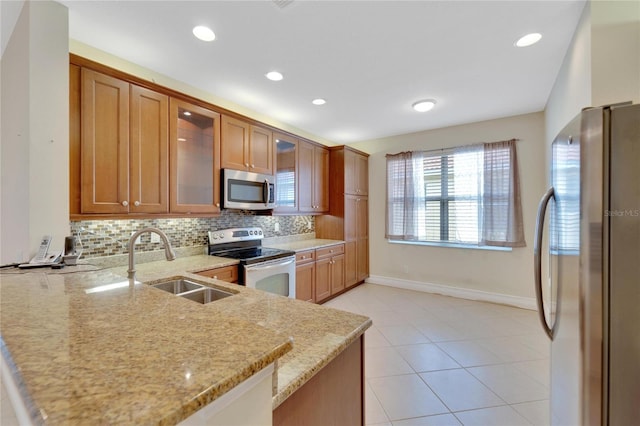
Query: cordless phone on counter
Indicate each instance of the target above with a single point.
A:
(43, 258)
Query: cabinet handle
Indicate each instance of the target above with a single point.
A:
(217, 204)
(246, 164)
(136, 203)
(304, 257)
(330, 251)
(125, 203)
(215, 277)
(253, 166)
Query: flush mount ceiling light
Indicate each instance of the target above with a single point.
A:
(203, 33)
(319, 101)
(274, 76)
(187, 113)
(528, 40)
(424, 105)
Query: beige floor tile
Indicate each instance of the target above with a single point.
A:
(426, 357)
(460, 390)
(495, 416)
(509, 349)
(538, 370)
(374, 413)
(537, 412)
(402, 335)
(440, 331)
(404, 397)
(382, 318)
(469, 353)
(510, 384)
(380, 362)
(437, 420)
(374, 339)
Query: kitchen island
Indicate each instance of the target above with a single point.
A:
(89, 347)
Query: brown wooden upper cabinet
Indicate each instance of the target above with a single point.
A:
(286, 173)
(356, 173)
(124, 146)
(246, 147)
(195, 163)
(313, 183)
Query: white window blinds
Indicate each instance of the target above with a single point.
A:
(467, 195)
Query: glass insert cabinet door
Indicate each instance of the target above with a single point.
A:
(286, 173)
(195, 163)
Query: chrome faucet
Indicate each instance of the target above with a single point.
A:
(168, 250)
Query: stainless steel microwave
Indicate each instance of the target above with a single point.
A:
(247, 190)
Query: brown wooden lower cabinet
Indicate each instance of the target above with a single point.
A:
(225, 273)
(334, 396)
(306, 282)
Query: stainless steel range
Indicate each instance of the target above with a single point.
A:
(263, 268)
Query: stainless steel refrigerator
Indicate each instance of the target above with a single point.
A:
(587, 268)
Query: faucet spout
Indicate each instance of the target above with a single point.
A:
(168, 250)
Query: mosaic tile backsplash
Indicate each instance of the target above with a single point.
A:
(110, 237)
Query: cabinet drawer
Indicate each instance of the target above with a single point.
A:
(226, 273)
(305, 256)
(330, 251)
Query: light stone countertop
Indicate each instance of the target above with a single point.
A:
(302, 245)
(139, 355)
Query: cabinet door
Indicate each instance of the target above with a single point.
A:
(350, 263)
(104, 143)
(195, 164)
(362, 248)
(234, 144)
(337, 274)
(286, 173)
(305, 176)
(356, 173)
(261, 150)
(149, 153)
(362, 174)
(305, 282)
(323, 279)
(321, 179)
(225, 273)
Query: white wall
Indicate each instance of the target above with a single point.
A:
(497, 272)
(35, 131)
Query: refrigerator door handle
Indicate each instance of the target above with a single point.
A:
(537, 259)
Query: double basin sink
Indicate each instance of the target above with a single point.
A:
(193, 291)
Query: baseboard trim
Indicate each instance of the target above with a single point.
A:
(463, 293)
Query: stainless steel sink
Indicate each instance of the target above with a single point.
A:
(192, 291)
(178, 286)
(206, 295)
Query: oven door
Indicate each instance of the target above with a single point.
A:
(274, 276)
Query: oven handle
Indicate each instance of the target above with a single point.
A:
(271, 264)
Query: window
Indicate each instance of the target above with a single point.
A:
(466, 195)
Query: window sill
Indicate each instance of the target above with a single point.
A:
(451, 245)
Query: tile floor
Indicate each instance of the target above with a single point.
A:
(437, 360)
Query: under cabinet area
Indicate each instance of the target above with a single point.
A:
(320, 273)
(224, 273)
(306, 276)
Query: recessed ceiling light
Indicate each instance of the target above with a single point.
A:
(204, 33)
(187, 113)
(319, 101)
(274, 76)
(425, 105)
(528, 40)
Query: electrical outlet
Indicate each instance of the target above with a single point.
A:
(276, 227)
(155, 238)
(309, 225)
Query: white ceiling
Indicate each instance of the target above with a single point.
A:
(369, 59)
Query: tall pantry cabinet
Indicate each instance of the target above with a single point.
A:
(348, 217)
